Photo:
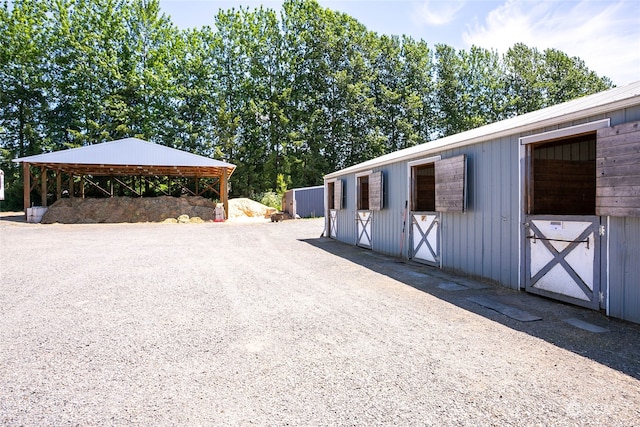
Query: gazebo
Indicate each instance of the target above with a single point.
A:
(127, 163)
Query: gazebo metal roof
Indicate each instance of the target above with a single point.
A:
(129, 156)
(124, 157)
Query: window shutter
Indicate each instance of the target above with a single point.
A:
(375, 191)
(337, 195)
(618, 170)
(450, 184)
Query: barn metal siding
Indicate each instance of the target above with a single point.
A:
(624, 268)
(483, 241)
(487, 240)
(387, 223)
(306, 202)
(346, 217)
(623, 236)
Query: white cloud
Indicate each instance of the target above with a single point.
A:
(438, 12)
(606, 35)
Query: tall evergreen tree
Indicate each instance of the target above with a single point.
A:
(287, 98)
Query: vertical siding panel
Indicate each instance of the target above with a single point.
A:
(506, 161)
(483, 241)
(624, 269)
(632, 114)
(514, 207)
(500, 191)
(484, 164)
(493, 255)
(387, 223)
(309, 201)
(479, 176)
(346, 217)
(469, 239)
(478, 211)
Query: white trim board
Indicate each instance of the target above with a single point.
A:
(564, 132)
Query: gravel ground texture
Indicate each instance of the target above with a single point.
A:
(269, 324)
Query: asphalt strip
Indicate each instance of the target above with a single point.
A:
(514, 313)
(585, 325)
(451, 286)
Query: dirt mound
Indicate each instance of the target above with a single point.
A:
(128, 209)
(247, 208)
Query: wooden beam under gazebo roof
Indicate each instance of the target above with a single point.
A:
(124, 157)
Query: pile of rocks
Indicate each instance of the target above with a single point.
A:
(129, 209)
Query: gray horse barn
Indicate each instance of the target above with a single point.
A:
(547, 202)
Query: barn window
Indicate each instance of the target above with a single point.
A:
(438, 185)
(423, 188)
(451, 184)
(563, 176)
(363, 192)
(334, 194)
(376, 191)
(330, 195)
(370, 191)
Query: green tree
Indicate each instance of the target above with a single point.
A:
(536, 80)
(524, 87)
(482, 81)
(146, 87)
(23, 76)
(85, 37)
(418, 80)
(450, 95)
(568, 78)
(307, 40)
(24, 88)
(287, 98)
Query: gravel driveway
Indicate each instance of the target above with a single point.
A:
(266, 323)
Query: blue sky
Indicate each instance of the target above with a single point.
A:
(604, 33)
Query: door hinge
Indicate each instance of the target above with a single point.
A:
(601, 230)
(601, 297)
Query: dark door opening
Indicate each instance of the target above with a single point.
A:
(563, 178)
(423, 188)
(331, 195)
(363, 193)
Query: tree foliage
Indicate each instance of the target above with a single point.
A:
(287, 96)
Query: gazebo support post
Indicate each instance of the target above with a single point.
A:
(43, 186)
(26, 172)
(82, 186)
(224, 193)
(58, 185)
(72, 186)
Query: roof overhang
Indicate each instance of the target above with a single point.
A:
(130, 157)
(593, 106)
(136, 170)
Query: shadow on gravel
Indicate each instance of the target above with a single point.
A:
(589, 333)
(13, 217)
